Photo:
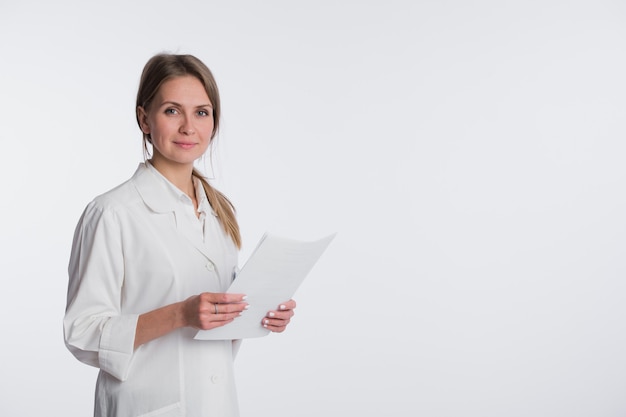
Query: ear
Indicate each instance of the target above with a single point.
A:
(142, 117)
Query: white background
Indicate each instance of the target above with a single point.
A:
(470, 155)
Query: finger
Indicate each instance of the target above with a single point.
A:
(268, 322)
(284, 311)
(226, 298)
(222, 298)
(212, 324)
(212, 320)
(274, 325)
(229, 308)
(280, 315)
(222, 317)
(288, 305)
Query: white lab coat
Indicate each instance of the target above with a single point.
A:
(136, 249)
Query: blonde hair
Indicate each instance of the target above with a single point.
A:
(163, 67)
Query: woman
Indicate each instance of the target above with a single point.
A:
(151, 261)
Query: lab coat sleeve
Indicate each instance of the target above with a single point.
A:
(96, 330)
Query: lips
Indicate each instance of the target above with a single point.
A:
(185, 145)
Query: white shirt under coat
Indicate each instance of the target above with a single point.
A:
(136, 248)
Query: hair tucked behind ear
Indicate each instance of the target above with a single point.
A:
(223, 208)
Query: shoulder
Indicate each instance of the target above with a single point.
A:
(125, 194)
(116, 200)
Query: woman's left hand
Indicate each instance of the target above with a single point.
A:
(277, 320)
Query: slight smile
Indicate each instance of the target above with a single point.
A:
(185, 145)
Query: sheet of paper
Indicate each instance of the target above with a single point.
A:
(271, 276)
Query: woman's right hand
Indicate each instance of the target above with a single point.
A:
(203, 311)
(210, 310)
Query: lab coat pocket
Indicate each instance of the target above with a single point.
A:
(172, 410)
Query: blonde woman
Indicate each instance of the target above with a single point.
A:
(151, 261)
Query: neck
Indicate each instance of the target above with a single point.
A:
(178, 174)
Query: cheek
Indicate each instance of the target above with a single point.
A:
(207, 130)
(160, 128)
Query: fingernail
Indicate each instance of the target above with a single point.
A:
(245, 297)
(246, 307)
(265, 325)
(266, 321)
(271, 314)
(282, 306)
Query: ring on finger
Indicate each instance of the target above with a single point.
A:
(215, 305)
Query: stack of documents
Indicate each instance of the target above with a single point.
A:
(271, 276)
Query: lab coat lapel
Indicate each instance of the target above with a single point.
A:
(160, 199)
(195, 240)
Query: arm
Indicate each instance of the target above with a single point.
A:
(198, 311)
(96, 329)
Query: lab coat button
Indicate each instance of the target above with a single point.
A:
(210, 266)
(216, 379)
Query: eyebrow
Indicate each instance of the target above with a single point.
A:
(180, 105)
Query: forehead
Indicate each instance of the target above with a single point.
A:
(183, 90)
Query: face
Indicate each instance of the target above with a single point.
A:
(179, 121)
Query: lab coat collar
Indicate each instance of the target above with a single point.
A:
(161, 199)
(153, 191)
(203, 201)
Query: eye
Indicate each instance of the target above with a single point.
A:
(171, 111)
(203, 113)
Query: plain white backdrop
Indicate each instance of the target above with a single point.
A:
(470, 155)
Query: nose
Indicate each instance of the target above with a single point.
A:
(186, 126)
